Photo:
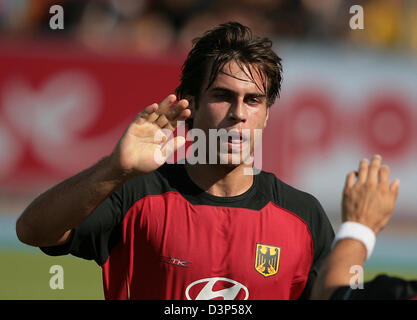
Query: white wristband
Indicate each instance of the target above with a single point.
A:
(359, 232)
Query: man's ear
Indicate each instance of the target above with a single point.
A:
(267, 117)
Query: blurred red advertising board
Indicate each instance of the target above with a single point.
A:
(59, 113)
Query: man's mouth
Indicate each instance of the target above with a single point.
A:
(235, 139)
(235, 136)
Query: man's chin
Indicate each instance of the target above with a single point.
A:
(231, 160)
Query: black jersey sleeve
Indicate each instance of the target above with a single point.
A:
(308, 208)
(382, 287)
(323, 235)
(95, 236)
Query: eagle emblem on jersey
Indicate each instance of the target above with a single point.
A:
(267, 259)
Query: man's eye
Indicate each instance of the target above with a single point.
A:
(253, 101)
(221, 96)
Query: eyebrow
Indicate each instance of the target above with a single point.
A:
(228, 91)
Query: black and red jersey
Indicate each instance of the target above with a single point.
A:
(382, 287)
(160, 236)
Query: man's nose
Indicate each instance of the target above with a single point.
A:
(238, 111)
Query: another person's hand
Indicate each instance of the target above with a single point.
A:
(369, 200)
(141, 149)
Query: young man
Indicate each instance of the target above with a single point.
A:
(192, 231)
(368, 204)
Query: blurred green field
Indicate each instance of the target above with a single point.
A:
(407, 274)
(25, 275)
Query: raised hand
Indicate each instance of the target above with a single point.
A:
(370, 200)
(141, 149)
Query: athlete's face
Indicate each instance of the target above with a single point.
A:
(233, 101)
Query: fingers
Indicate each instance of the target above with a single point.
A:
(184, 115)
(172, 113)
(145, 113)
(153, 117)
(153, 112)
(370, 200)
(164, 115)
(178, 109)
(162, 121)
(394, 187)
(373, 174)
(165, 104)
(363, 171)
(150, 109)
(373, 169)
(383, 175)
(350, 180)
(369, 172)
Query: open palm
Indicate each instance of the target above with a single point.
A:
(141, 149)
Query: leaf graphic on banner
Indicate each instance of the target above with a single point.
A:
(56, 113)
(51, 120)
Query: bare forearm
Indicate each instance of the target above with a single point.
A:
(336, 270)
(49, 219)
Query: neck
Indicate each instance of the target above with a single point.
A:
(220, 180)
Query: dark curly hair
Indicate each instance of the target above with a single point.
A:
(229, 42)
